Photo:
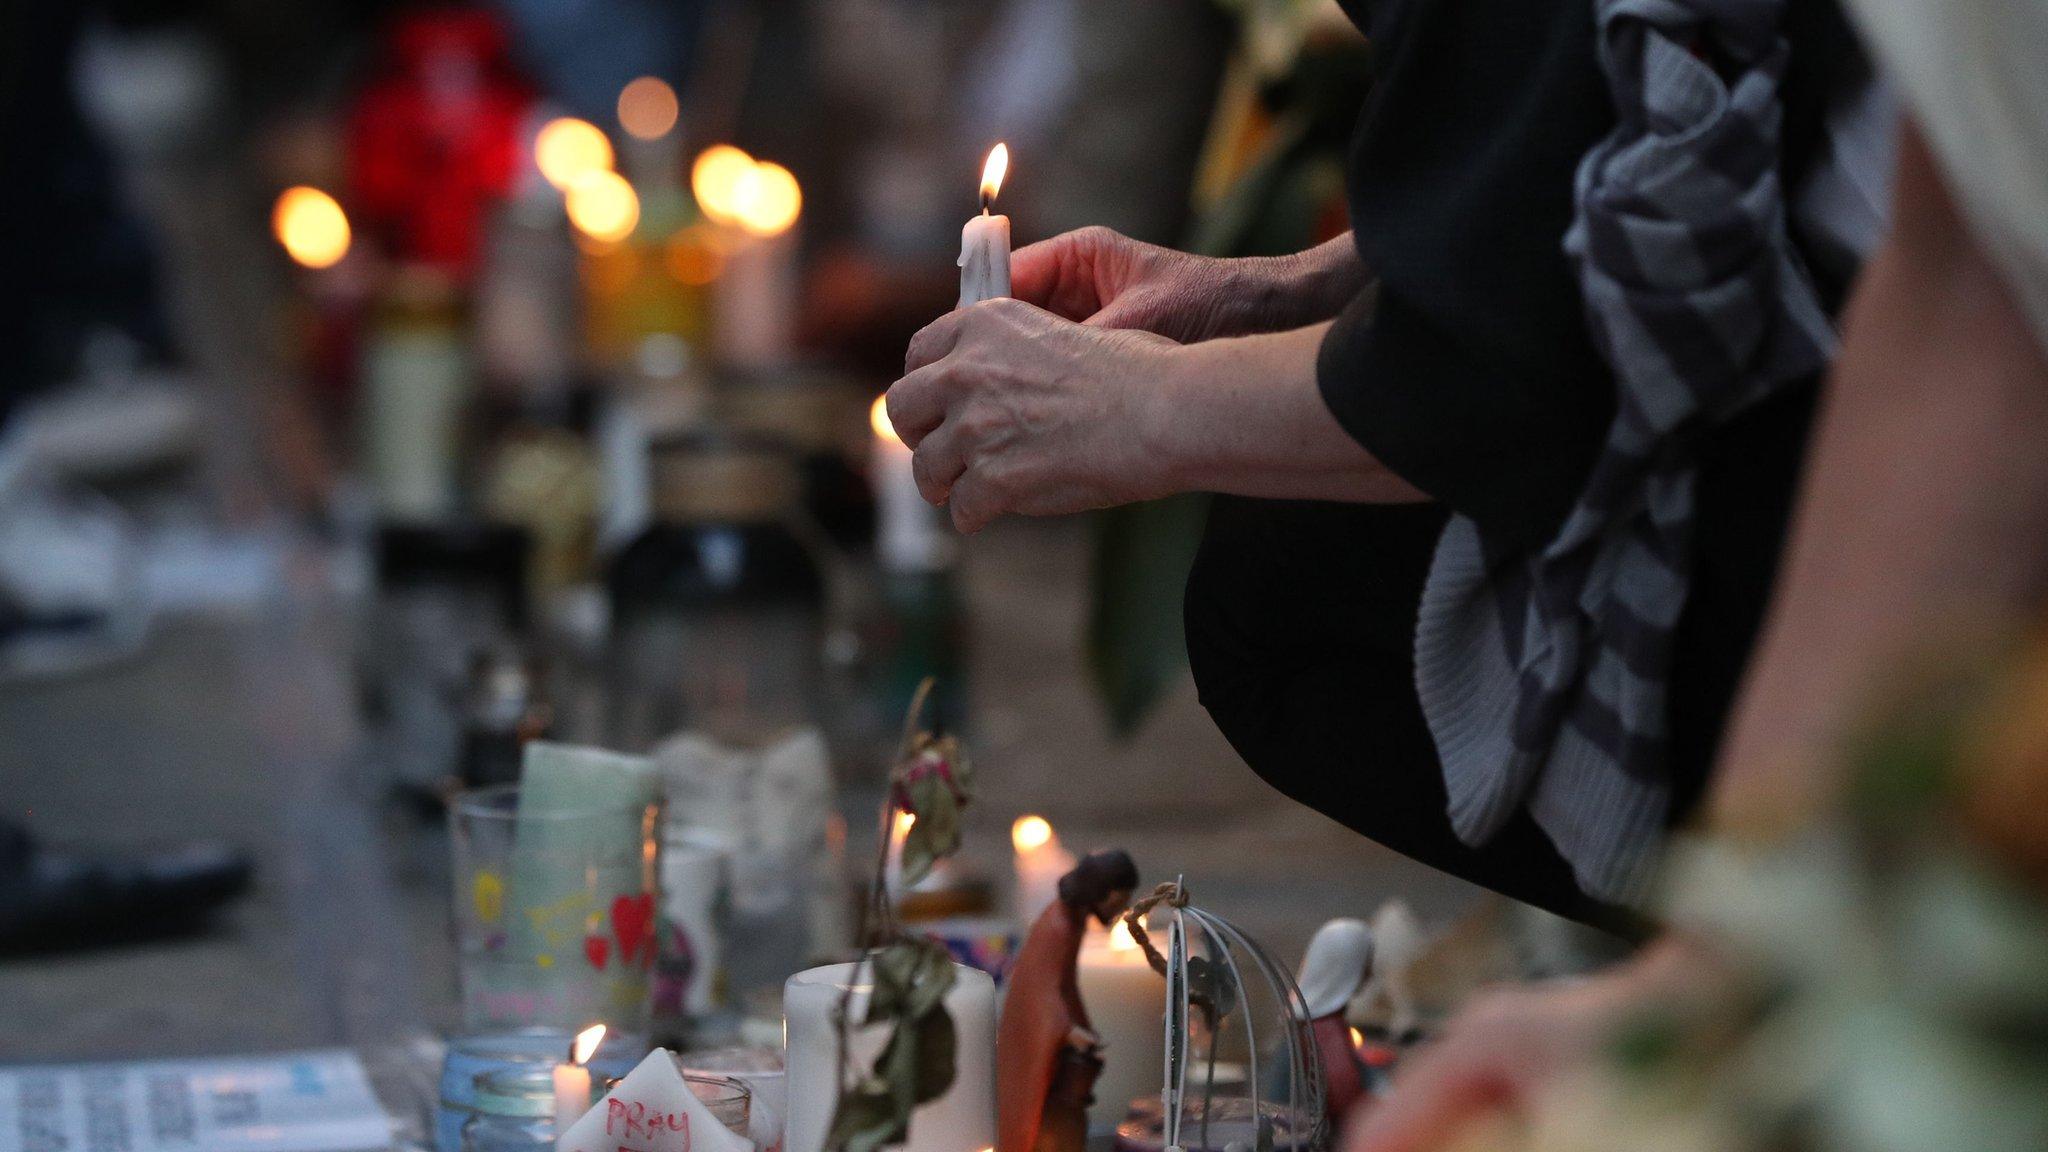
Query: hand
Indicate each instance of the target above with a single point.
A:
(1498, 1053)
(1107, 280)
(1011, 409)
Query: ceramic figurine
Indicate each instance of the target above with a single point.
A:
(1339, 960)
(1398, 942)
(1047, 1054)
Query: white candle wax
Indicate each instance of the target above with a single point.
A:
(572, 1095)
(907, 534)
(1040, 862)
(984, 259)
(963, 1120)
(1126, 1003)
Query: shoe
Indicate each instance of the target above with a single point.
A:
(52, 899)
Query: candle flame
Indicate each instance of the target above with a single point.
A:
(586, 1044)
(311, 226)
(992, 173)
(769, 200)
(904, 822)
(1357, 1038)
(647, 108)
(878, 419)
(1120, 938)
(567, 149)
(1030, 833)
(715, 178)
(603, 206)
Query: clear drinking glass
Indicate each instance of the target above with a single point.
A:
(554, 917)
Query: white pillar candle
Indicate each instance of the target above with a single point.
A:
(985, 241)
(908, 536)
(572, 1080)
(1126, 1003)
(963, 1120)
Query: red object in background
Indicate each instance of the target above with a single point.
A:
(434, 139)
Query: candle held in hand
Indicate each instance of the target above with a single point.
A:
(985, 241)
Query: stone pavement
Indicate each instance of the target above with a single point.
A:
(245, 728)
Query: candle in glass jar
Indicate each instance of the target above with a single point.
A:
(985, 241)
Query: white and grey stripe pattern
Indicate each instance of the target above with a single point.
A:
(1544, 677)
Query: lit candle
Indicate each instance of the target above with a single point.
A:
(758, 203)
(908, 536)
(572, 1080)
(985, 241)
(1126, 1003)
(962, 1120)
(1040, 862)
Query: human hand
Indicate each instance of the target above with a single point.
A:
(1507, 1046)
(1011, 409)
(1104, 279)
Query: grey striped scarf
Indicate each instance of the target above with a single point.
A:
(1544, 676)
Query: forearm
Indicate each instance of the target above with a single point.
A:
(1308, 287)
(1244, 416)
(1921, 520)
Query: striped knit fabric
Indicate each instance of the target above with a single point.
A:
(1544, 677)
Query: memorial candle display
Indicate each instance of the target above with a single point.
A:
(572, 1080)
(963, 1120)
(1126, 1003)
(1040, 863)
(985, 241)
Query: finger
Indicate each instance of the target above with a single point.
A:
(1063, 275)
(1430, 1105)
(938, 463)
(933, 341)
(916, 404)
(974, 503)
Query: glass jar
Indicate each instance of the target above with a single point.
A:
(513, 1111)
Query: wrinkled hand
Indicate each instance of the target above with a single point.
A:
(1011, 409)
(1104, 279)
(1497, 1054)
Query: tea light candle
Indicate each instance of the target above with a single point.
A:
(985, 241)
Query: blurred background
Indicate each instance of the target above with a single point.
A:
(391, 383)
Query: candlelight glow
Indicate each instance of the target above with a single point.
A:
(647, 108)
(992, 173)
(904, 822)
(1357, 1038)
(568, 149)
(603, 206)
(694, 255)
(311, 226)
(586, 1044)
(1120, 938)
(715, 178)
(1029, 833)
(878, 419)
(768, 200)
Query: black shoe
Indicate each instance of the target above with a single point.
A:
(52, 899)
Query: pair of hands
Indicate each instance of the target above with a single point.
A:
(1062, 398)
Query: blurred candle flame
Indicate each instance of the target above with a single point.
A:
(769, 200)
(1120, 938)
(878, 419)
(311, 226)
(568, 149)
(715, 178)
(586, 1044)
(992, 172)
(647, 108)
(1357, 1038)
(1030, 833)
(603, 206)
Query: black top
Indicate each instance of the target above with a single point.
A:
(1472, 376)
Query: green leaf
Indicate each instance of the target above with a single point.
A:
(932, 1071)
(868, 1120)
(911, 978)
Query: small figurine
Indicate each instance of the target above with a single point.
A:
(1339, 959)
(1047, 1054)
(1398, 942)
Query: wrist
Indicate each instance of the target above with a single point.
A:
(1172, 417)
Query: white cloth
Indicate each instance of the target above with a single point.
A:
(1974, 74)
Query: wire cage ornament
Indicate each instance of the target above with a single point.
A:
(1206, 964)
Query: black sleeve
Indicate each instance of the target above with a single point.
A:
(1506, 447)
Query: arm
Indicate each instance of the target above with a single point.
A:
(1925, 508)
(1011, 409)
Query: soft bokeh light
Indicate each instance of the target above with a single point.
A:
(715, 178)
(1120, 938)
(769, 200)
(992, 172)
(603, 206)
(311, 226)
(878, 419)
(1029, 833)
(904, 822)
(586, 1044)
(568, 149)
(647, 108)
(695, 256)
